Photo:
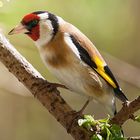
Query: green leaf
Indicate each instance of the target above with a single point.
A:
(88, 121)
(81, 122)
(97, 137)
(107, 131)
(116, 131)
(137, 118)
(109, 135)
(106, 120)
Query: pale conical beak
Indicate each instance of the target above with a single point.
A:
(18, 29)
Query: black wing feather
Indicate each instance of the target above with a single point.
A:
(84, 55)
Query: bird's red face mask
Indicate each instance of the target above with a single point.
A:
(29, 25)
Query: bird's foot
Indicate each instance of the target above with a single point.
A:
(126, 103)
(49, 87)
(53, 86)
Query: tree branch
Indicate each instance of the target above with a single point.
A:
(38, 86)
(134, 138)
(126, 112)
(52, 100)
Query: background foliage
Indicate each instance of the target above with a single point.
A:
(113, 26)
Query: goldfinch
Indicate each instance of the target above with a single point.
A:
(71, 57)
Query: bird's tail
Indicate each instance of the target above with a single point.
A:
(120, 95)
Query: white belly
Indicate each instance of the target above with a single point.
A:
(76, 76)
(72, 77)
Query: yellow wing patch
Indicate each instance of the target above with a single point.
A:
(100, 69)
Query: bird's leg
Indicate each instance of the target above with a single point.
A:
(80, 112)
(84, 107)
(75, 115)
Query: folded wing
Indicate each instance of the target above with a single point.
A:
(91, 56)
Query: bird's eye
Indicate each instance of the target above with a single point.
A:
(32, 24)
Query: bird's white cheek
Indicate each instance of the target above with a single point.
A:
(46, 33)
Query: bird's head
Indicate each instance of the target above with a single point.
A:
(40, 26)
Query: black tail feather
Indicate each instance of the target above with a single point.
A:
(120, 95)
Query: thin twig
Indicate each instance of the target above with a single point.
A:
(126, 112)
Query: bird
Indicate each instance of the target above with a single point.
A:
(72, 58)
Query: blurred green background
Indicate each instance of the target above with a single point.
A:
(113, 26)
